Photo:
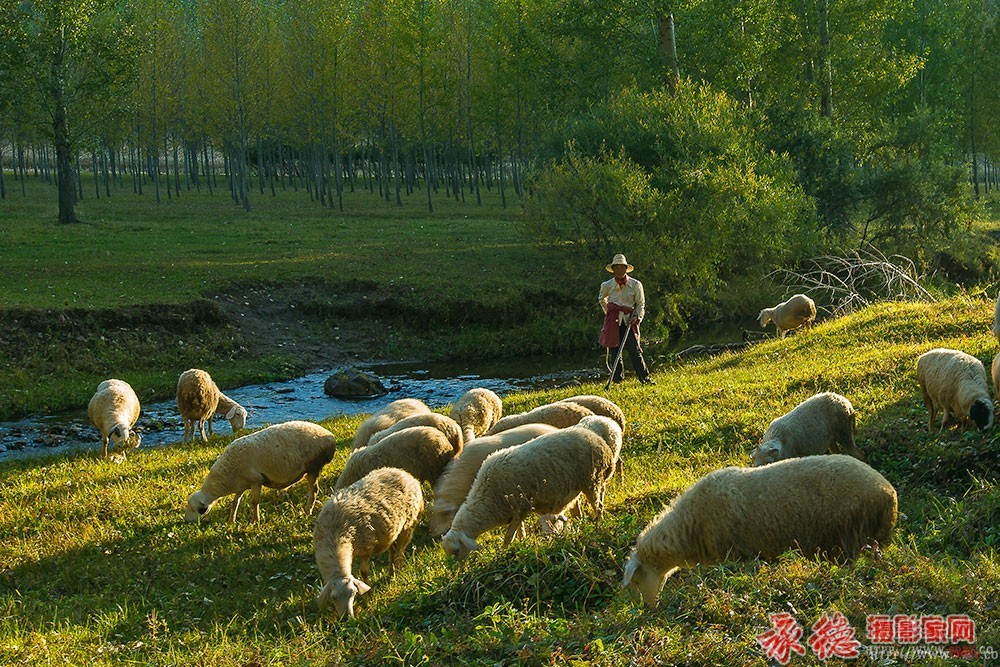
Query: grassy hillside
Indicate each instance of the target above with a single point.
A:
(98, 566)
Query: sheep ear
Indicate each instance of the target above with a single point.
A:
(361, 586)
(115, 430)
(630, 569)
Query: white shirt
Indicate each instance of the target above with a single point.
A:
(630, 294)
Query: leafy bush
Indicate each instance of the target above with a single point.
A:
(682, 186)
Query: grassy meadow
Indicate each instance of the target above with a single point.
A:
(99, 568)
(143, 291)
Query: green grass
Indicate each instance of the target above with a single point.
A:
(98, 566)
(138, 291)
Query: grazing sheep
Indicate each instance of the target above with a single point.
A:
(234, 413)
(375, 514)
(114, 409)
(821, 423)
(798, 311)
(446, 425)
(476, 411)
(275, 457)
(197, 400)
(422, 451)
(385, 418)
(454, 483)
(830, 506)
(541, 476)
(599, 406)
(954, 382)
(559, 414)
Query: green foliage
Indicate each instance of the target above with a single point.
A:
(682, 184)
(99, 567)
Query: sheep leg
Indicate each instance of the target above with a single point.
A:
(595, 497)
(513, 528)
(104, 446)
(201, 423)
(187, 429)
(209, 420)
(255, 501)
(364, 566)
(236, 505)
(313, 481)
(397, 548)
(944, 418)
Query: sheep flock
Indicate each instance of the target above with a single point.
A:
(462, 471)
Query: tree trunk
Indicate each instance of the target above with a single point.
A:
(826, 66)
(64, 162)
(668, 51)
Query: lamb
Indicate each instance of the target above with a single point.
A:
(446, 425)
(422, 451)
(821, 423)
(476, 411)
(830, 506)
(197, 401)
(375, 514)
(385, 418)
(541, 476)
(797, 311)
(454, 483)
(114, 409)
(559, 414)
(599, 406)
(276, 457)
(954, 382)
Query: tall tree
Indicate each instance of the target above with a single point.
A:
(77, 52)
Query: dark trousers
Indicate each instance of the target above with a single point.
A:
(634, 350)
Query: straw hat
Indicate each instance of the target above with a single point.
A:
(619, 259)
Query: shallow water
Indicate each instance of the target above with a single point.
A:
(437, 385)
(300, 398)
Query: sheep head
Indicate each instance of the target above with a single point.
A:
(458, 544)
(981, 412)
(766, 452)
(765, 317)
(237, 417)
(642, 582)
(198, 505)
(342, 591)
(120, 433)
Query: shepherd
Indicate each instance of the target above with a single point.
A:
(624, 305)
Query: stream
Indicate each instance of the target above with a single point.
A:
(436, 384)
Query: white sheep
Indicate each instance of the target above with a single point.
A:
(599, 406)
(446, 425)
(954, 382)
(386, 417)
(375, 514)
(821, 423)
(558, 414)
(197, 401)
(828, 506)
(234, 413)
(797, 311)
(476, 411)
(543, 476)
(422, 451)
(611, 434)
(276, 457)
(454, 483)
(114, 409)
